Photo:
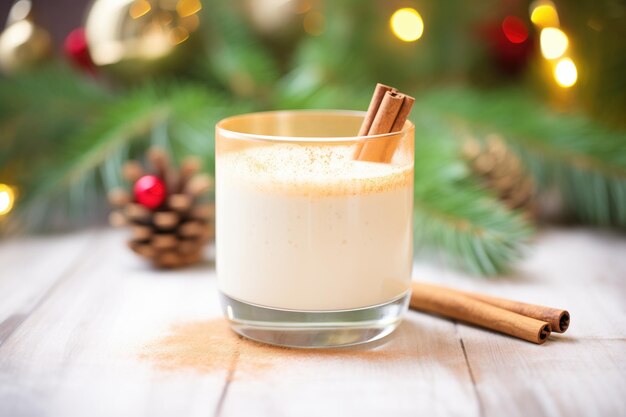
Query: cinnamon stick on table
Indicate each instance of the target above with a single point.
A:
(558, 319)
(387, 113)
(453, 304)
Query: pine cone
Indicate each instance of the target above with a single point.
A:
(173, 233)
(502, 171)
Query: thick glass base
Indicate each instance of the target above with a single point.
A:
(314, 329)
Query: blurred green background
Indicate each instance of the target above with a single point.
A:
(520, 111)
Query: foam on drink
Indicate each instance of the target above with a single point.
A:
(309, 228)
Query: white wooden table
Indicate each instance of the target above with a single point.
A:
(76, 310)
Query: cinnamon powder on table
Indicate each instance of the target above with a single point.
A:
(207, 346)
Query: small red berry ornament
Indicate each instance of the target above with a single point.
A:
(77, 51)
(150, 191)
(509, 45)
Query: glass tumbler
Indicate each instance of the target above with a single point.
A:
(314, 245)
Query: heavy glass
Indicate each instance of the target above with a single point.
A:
(314, 246)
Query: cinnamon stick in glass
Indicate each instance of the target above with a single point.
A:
(452, 304)
(557, 318)
(398, 125)
(387, 113)
(377, 98)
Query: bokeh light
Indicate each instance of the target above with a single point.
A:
(139, 8)
(407, 24)
(7, 199)
(186, 8)
(544, 14)
(565, 73)
(514, 29)
(553, 43)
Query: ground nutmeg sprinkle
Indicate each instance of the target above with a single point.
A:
(207, 346)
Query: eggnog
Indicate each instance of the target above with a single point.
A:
(309, 228)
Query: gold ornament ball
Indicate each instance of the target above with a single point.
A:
(136, 38)
(23, 45)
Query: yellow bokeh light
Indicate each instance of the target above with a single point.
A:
(188, 7)
(139, 8)
(553, 43)
(407, 24)
(544, 15)
(7, 199)
(565, 73)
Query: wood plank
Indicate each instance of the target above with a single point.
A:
(77, 354)
(567, 377)
(29, 269)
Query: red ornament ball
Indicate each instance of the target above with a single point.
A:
(77, 51)
(514, 29)
(150, 191)
(509, 45)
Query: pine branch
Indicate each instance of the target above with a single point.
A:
(470, 226)
(455, 216)
(96, 154)
(78, 162)
(195, 113)
(62, 102)
(55, 83)
(235, 56)
(585, 162)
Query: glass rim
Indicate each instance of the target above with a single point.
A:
(233, 134)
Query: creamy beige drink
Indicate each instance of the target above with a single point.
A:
(309, 228)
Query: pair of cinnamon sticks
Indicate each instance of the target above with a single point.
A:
(530, 322)
(387, 113)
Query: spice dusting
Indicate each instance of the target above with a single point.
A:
(208, 346)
